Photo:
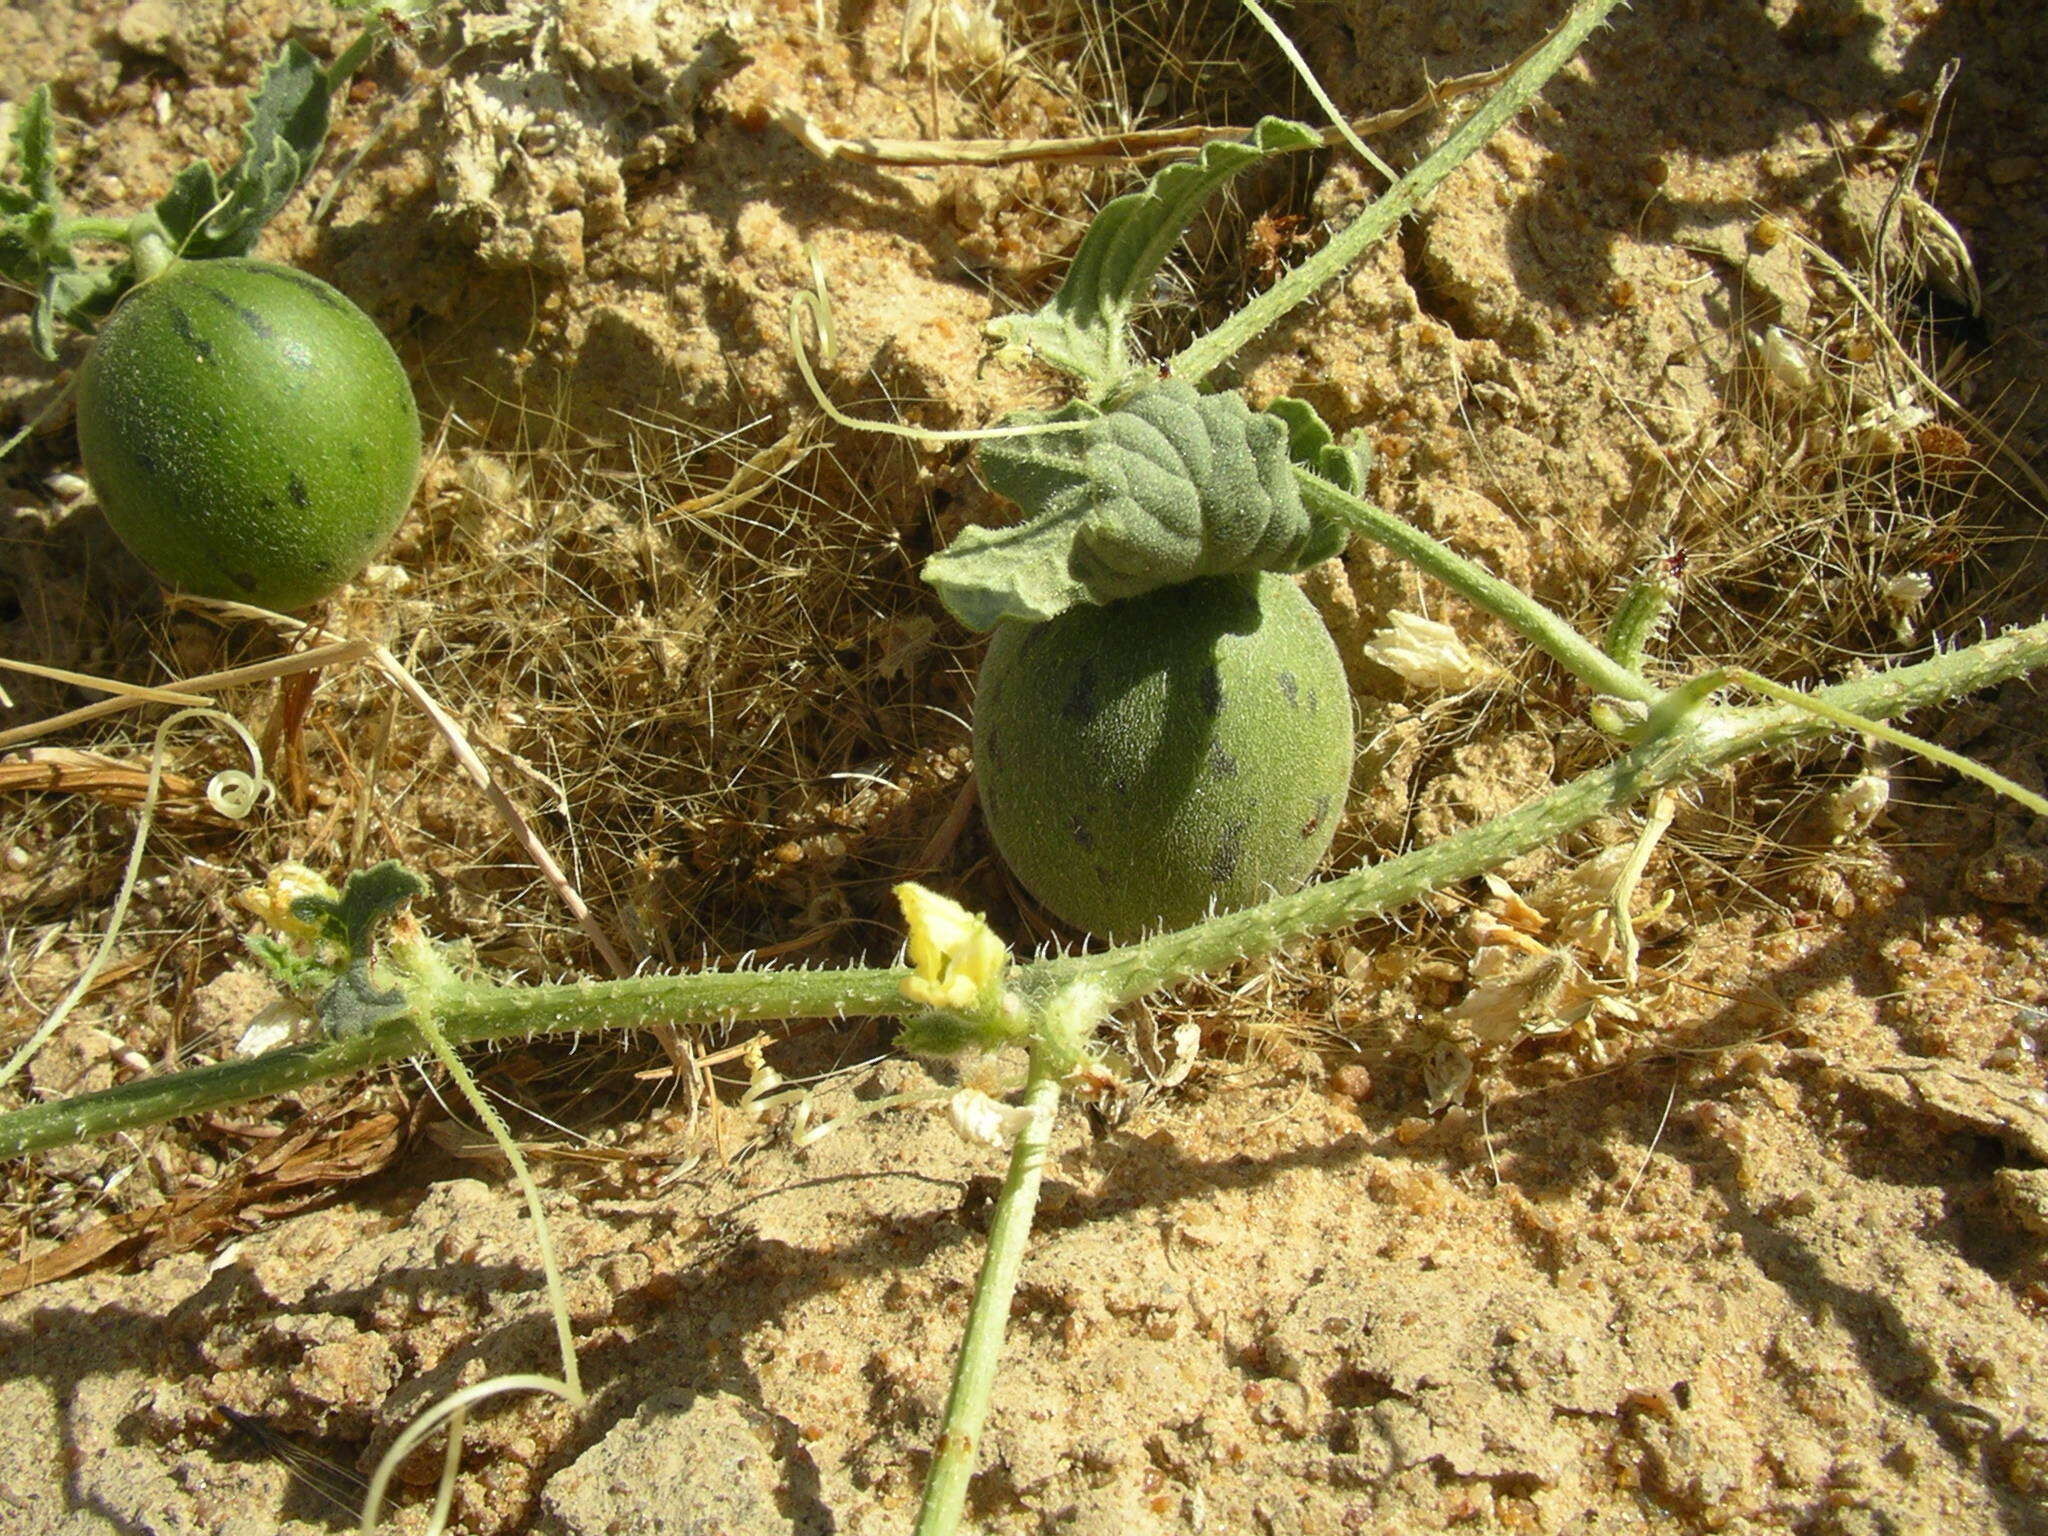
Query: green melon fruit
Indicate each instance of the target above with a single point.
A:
(1144, 762)
(249, 431)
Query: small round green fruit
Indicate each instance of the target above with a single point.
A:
(249, 431)
(1146, 762)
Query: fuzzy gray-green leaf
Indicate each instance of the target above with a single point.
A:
(209, 216)
(1170, 486)
(35, 146)
(1081, 329)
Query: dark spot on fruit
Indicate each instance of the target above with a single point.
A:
(1314, 703)
(1120, 786)
(1221, 764)
(182, 324)
(1082, 835)
(313, 286)
(1315, 822)
(1210, 690)
(246, 580)
(1079, 705)
(1229, 849)
(145, 462)
(1105, 876)
(296, 489)
(1289, 689)
(235, 307)
(358, 455)
(995, 746)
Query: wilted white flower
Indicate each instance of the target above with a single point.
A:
(1446, 1071)
(1903, 596)
(1426, 653)
(275, 1025)
(986, 1121)
(1786, 359)
(1513, 994)
(968, 30)
(1852, 808)
(383, 577)
(1882, 429)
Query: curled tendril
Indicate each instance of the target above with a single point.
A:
(816, 302)
(231, 792)
(234, 794)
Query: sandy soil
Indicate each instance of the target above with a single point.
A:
(1761, 1249)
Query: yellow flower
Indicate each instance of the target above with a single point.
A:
(272, 900)
(958, 959)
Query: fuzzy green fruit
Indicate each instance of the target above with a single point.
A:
(249, 431)
(1143, 762)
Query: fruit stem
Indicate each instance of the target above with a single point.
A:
(150, 249)
(88, 227)
(1529, 618)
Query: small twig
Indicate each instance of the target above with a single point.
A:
(140, 693)
(205, 687)
(1662, 1120)
(1135, 146)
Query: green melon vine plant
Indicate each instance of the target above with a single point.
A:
(1143, 482)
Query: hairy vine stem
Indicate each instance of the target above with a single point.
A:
(469, 1013)
(1698, 743)
(974, 1368)
(1537, 624)
(1205, 354)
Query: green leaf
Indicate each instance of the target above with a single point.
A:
(35, 146)
(367, 901)
(205, 216)
(1170, 486)
(18, 260)
(1082, 328)
(29, 210)
(1312, 445)
(355, 1002)
(79, 296)
(195, 192)
(301, 975)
